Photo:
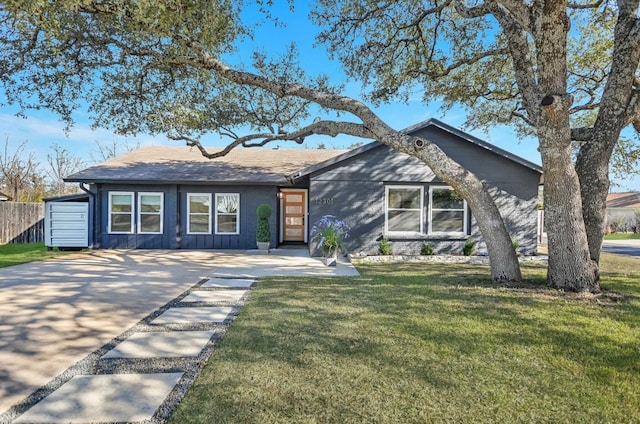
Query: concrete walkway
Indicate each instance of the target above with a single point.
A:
(118, 336)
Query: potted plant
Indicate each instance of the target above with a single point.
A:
(263, 231)
(329, 233)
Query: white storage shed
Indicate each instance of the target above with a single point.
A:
(66, 222)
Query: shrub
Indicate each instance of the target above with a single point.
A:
(516, 245)
(263, 231)
(426, 249)
(384, 248)
(263, 211)
(469, 247)
(330, 232)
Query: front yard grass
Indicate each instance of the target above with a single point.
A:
(622, 236)
(15, 254)
(420, 343)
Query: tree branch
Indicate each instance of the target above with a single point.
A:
(324, 127)
(472, 12)
(471, 60)
(593, 5)
(521, 54)
(582, 134)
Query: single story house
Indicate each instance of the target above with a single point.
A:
(174, 198)
(623, 212)
(4, 197)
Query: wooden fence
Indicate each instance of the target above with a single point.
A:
(21, 222)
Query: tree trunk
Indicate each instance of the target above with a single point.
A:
(570, 264)
(592, 167)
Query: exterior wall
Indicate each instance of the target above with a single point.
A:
(354, 191)
(174, 235)
(250, 198)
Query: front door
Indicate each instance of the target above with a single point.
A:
(294, 211)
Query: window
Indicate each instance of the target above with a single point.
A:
(150, 213)
(227, 213)
(404, 209)
(120, 212)
(448, 211)
(199, 213)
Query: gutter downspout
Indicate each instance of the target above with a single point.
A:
(92, 207)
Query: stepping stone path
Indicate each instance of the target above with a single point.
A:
(141, 375)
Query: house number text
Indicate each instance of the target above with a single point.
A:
(324, 201)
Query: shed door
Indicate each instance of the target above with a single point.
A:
(294, 208)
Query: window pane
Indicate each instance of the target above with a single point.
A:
(150, 223)
(226, 224)
(199, 204)
(227, 203)
(121, 202)
(447, 221)
(150, 203)
(121, 223)
(404, 221)
(446, 199)
(404, 198)
(199, 224)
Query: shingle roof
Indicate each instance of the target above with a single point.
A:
(181, 164)
(623, 200)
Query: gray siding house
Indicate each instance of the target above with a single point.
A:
(173, 198)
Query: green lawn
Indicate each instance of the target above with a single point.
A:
(622, 236)
(420, 343)
(14, 254)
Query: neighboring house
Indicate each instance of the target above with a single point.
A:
(623, 212)
(4, 197)
(173, 198)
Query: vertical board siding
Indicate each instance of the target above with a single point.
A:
(175, 218)
(21, 222)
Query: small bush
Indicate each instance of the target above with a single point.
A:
(426, 249)
(469, 247)
(516, 245)
(263, 211)
(263, 231)
(384, 248)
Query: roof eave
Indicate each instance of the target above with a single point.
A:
(474, 140)
(282, 182)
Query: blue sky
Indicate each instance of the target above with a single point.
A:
(43, 129)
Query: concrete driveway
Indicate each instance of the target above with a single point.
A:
(55, 313)
(622, 247)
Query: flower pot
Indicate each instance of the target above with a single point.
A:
(331, 259)
(263, 246)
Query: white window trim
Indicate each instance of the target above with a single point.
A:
(464, 216)
(386, 210)
(110, 212)
(215, 211)
(189, 213)
(140, 213)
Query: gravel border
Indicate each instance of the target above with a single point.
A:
(355, 259)
(189, 366)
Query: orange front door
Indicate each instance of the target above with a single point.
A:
(294, 205)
